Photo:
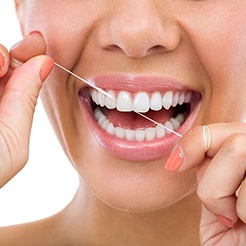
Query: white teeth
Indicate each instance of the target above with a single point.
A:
(97, 114)
(175, 99)
(160, 132)
(109, 102)
(175, 123)
(148, 134)
(94, 96)
(110, 129)
(105, 124)
(102, 99)
(101, 119)
(156, 101)
(169, 125)
(167, 100)
(119, 132)
(124, 102)
(188, 97)
(140, 102)
(139, 135)
(130, 135)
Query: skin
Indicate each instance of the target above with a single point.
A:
(202, 44)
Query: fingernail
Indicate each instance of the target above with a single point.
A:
(174, 161)
(46, 69)
(225, 221)
(1, 61)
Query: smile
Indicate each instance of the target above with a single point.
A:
(119, 129)
(141, 102)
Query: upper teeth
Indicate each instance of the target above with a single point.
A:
(141, 101)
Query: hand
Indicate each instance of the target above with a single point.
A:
(220, 174)
(19, 90)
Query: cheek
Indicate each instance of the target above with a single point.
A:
(221, 47)
(65, 27)
(227, 74)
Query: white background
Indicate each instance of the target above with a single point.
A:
(48, 181)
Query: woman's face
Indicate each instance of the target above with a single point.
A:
(149, 54)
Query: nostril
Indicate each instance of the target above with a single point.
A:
(156, 49)
(114, 48)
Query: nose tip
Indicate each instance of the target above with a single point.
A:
(140, 43)
(139, 33)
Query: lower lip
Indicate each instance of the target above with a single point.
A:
(132, 150)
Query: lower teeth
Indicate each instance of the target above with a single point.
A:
(147, 134)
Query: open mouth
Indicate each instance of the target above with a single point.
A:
(119, 118)
(119, 129)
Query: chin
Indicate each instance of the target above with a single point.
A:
(134, 186)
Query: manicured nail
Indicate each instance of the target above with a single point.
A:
(174, 161)
(46, 69)
(225, 221)
(1, 61)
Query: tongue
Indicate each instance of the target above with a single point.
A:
(133, 121)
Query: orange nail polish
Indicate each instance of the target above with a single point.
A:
(46, 68)
(1, 61)
(174, 161)
(225, 221)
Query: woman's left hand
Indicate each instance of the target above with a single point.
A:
(221, 172)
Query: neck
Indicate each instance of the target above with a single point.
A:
(96, 223)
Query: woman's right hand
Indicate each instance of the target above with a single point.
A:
(19, 90)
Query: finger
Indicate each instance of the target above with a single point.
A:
(32, 45)
(222, 178)
(211, 228)
(16, 113)
(4, 60)
(241, 201)
(190, 151)
(23, 87)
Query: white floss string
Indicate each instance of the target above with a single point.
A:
(108, 95)
(206, 137)
(85, 81)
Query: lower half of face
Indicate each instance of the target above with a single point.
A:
(125, 169)
(119, 154)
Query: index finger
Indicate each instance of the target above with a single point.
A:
(32, 45)
(191, 150)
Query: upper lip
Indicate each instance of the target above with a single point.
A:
(135, 83)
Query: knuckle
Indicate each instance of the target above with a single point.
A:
(206, 195)
(241, 202)
(241, 212)
(190, 139)
(236, 144)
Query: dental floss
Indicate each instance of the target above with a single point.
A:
(85, 81)
(108, 95)
(159, 124)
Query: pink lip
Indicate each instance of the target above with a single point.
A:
(136, 151)
(137, 83)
